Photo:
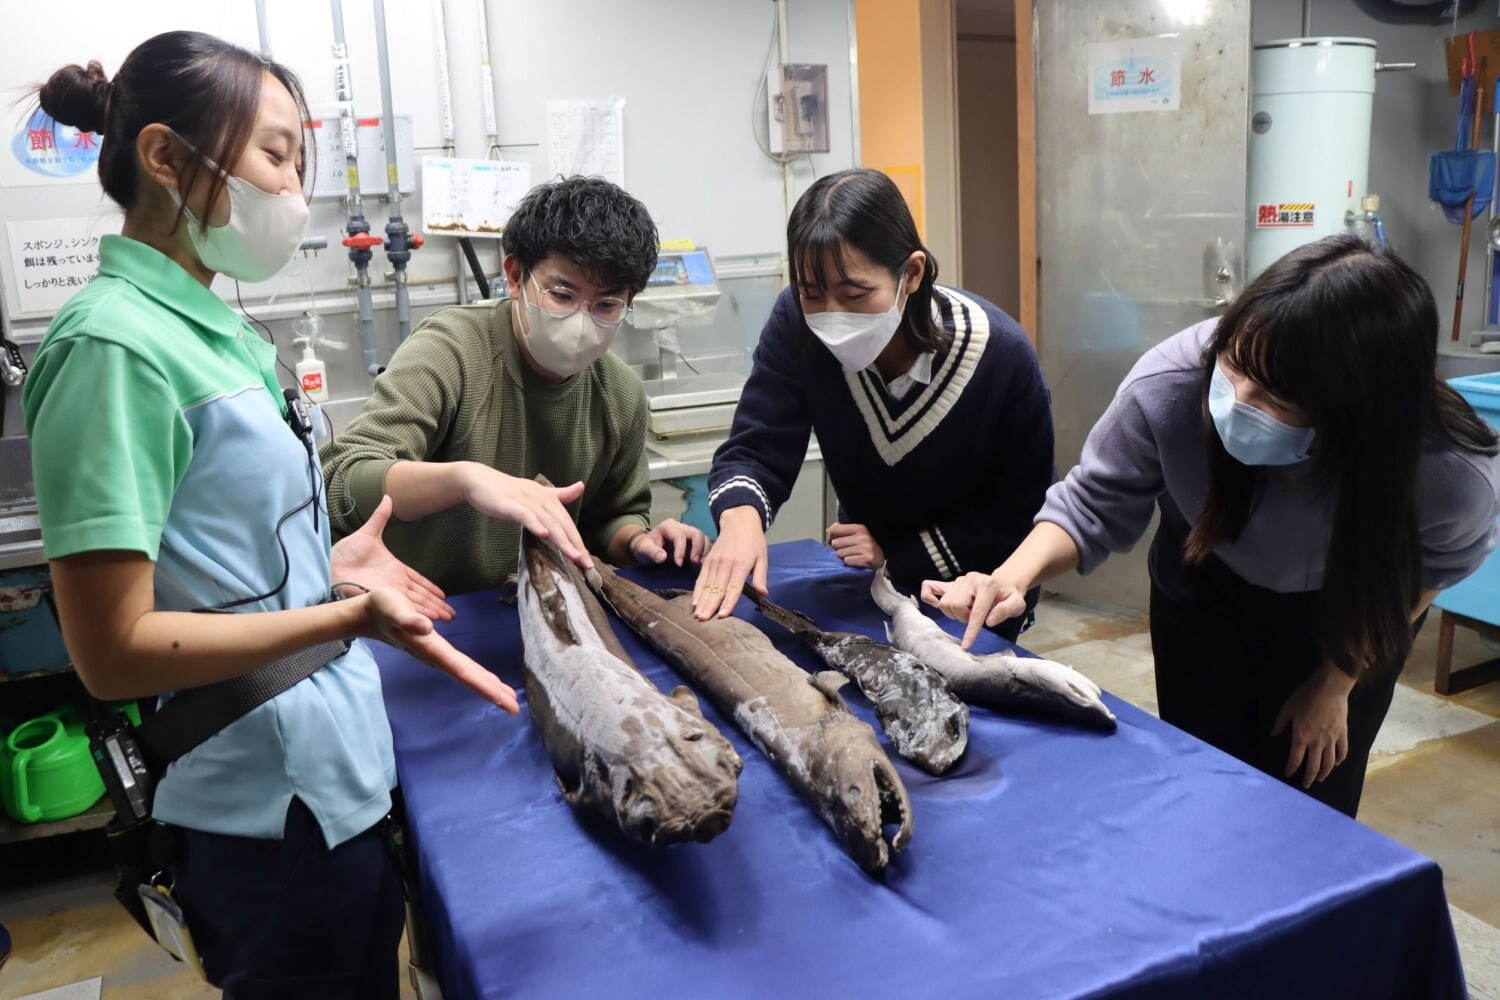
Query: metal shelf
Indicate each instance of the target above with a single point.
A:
(6, 678)
(93, 818)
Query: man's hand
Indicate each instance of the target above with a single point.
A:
(362, 558)
(669, 539)
(537, 508)
(854, 544)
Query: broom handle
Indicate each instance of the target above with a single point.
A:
(1463, 246)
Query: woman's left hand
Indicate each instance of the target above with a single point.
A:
(1318, 712)
(854, 544)
(362, 558)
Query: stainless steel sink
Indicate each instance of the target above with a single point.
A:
(20, 529)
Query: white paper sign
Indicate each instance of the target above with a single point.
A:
(1134, 74)
(52, 259)
(588, 138)
(471, 197)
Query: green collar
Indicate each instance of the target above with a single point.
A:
(164, 280)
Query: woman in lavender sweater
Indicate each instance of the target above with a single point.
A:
(1318, 485)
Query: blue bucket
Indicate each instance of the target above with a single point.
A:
(1478, 597)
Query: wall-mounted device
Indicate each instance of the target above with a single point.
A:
(797, 108)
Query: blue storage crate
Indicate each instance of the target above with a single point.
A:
(1478, 597)
(30, 642)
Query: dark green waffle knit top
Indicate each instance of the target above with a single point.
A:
(459, 390)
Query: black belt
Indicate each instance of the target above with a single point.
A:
(194, 715)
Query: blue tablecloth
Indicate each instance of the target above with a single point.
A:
(1053, 863)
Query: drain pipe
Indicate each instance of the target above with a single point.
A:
(357, 237)
(445, 116)
(265, 35)
(487, 85)
(400, 241)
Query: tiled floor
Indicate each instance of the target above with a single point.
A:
(1434, 784)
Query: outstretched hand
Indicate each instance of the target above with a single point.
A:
(362, 558)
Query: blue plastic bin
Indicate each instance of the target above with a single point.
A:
(1478, 597)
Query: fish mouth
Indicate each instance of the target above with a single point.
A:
(866, 797)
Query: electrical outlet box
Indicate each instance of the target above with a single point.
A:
(797, 108)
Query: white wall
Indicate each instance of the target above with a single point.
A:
(687, 69)
(1413, 116)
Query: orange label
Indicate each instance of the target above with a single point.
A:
(312, 382)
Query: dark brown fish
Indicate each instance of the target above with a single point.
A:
(797, 720)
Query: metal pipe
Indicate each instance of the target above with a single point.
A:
(357, 227)
(487, 84)
(1490, 316)
(445, 117)
(399, 240)
(788, 180)
(265, 34)
(1306, 18)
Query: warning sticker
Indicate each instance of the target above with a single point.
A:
(1288, 213)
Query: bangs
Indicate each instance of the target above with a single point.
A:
(818, 246)
(1278, 353)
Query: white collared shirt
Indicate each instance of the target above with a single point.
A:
(920, 373)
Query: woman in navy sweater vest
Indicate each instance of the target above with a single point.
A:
(929, 406)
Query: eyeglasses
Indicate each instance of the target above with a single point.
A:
(560, 302)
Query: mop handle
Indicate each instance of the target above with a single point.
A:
(1463, 246)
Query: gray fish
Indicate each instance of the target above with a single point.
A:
(922, 718)
(994, 680)
(796, 719)
(649, 762)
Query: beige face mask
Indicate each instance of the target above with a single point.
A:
(563, 345)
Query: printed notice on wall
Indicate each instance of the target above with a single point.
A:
(41, 151)
(52, 259)
(588, 138)
(1134, 74)
(471, 197)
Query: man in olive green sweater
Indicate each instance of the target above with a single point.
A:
(482, 398)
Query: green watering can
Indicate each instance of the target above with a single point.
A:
(46, 772)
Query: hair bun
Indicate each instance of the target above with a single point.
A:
(77, 96)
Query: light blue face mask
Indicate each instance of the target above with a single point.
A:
(1253, 436)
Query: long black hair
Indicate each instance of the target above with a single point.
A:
(1348, 334)
(205, 89)
(864, 209)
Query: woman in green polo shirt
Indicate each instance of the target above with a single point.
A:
(169, 481)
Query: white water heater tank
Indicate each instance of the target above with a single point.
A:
(1309, 141)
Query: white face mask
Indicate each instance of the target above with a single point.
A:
(263, 232)
(856, 339)
(563, 346)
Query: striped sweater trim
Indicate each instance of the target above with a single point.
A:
(744, 483)
(934, 553)
(895, 437)
(953, 565)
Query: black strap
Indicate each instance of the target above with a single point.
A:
(194, 715)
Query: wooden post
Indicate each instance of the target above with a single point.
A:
(1026, 168)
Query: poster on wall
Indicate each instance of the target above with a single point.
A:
(588, 138)
(41, 151)
(51, 259)
(1134, 74)
(471, 197)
